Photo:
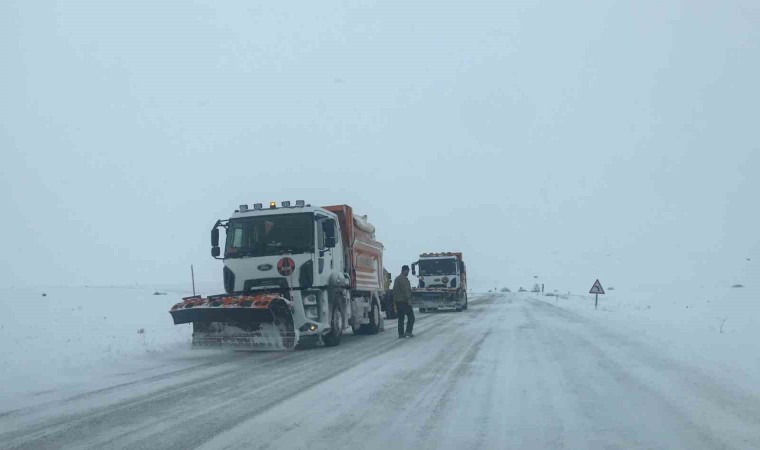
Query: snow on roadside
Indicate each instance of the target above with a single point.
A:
(74, 334)
(717, 329)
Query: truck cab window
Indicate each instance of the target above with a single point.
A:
(270, 235)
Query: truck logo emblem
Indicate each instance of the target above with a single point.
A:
(286, 266)
(265, 267)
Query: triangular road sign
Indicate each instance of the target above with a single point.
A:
(596, 288)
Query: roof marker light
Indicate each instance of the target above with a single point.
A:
(286, 204)
(272, 205)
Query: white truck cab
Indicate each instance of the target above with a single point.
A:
(442, 281)
(311, 271)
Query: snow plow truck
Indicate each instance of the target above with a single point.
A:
(442, 282)
(292, 272)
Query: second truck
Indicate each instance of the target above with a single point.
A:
(442, 282)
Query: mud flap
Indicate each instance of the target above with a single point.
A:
(261, 322)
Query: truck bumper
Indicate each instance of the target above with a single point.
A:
(431, 298)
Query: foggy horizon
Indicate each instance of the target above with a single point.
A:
(566, 142)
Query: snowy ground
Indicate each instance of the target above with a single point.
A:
(514, 371)
(717, 329)
(73, 337)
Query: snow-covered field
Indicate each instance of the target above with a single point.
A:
(716, 328)
(75, 337)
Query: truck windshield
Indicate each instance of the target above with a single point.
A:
(446, 266)
(270, 235)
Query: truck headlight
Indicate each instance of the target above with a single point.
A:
(312, 312)
(310, 299)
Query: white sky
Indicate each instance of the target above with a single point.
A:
(567, 140)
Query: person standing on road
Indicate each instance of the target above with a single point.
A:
(402, 297)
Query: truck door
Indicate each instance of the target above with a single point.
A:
(329, 247)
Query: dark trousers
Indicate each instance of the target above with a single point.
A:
(404, 309)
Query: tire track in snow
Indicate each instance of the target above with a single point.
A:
(620, 409)
(365, 410)
(66, 402)
(189, 401)
(450, 365)
(743, 406)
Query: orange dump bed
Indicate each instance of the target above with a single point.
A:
(364, 255)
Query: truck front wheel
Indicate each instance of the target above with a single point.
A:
(463, 307)
(335, 335)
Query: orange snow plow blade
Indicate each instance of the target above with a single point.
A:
(258, 321)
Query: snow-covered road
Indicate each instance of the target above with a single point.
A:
(511, 372)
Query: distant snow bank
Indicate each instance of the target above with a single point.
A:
(71, 333)
(715, 328)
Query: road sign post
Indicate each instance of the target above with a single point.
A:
(192, 276)
(596, 289)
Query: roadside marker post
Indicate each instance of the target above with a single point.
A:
(192, 276)
(596, 289)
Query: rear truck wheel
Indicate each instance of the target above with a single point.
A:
(390, 311)
(422, 310)
(387, 306)
(335, 335)
(373, 327)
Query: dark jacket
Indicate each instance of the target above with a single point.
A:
(402, 289)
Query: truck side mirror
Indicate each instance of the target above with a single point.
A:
(215, 251)
(329, 229)
(414, 269)
(215, 237)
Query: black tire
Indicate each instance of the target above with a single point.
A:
(374, 320)
(423, 310)
(463, 307)
(388, 306)
(333, 338)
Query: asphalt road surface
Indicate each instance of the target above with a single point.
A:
(513, 371)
